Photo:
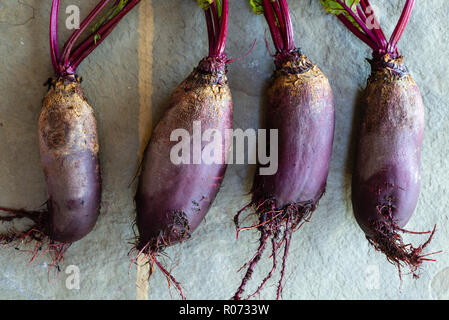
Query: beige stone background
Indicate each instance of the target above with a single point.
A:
(128, 80)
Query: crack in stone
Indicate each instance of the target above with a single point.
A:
(32, 17)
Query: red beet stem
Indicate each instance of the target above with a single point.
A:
(278, 14)
(361, 14)
(75, 35)
(279, 21)
(217, 28)
(287, 22)
(362, 25)
(83, 51)
(224, 29)
(92, 42)
(210, 31)
(68, 63)
(216, 20)
(54, 45)
(359, 34)
(274, 29)
(400, 27)
(378, 32)
(357, 23)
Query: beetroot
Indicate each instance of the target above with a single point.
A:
(68, 141)
(69, 151)
(172, 199)
(301, 108)
(387, 173)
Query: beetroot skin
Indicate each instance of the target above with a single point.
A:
(173, 199)
(69, 151)
(301, 108)
(387, 175)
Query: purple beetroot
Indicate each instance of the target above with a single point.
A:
(387, 173)
(173, 198)
(301, 108)
(68, 140)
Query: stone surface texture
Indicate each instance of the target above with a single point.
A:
(329, 257)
